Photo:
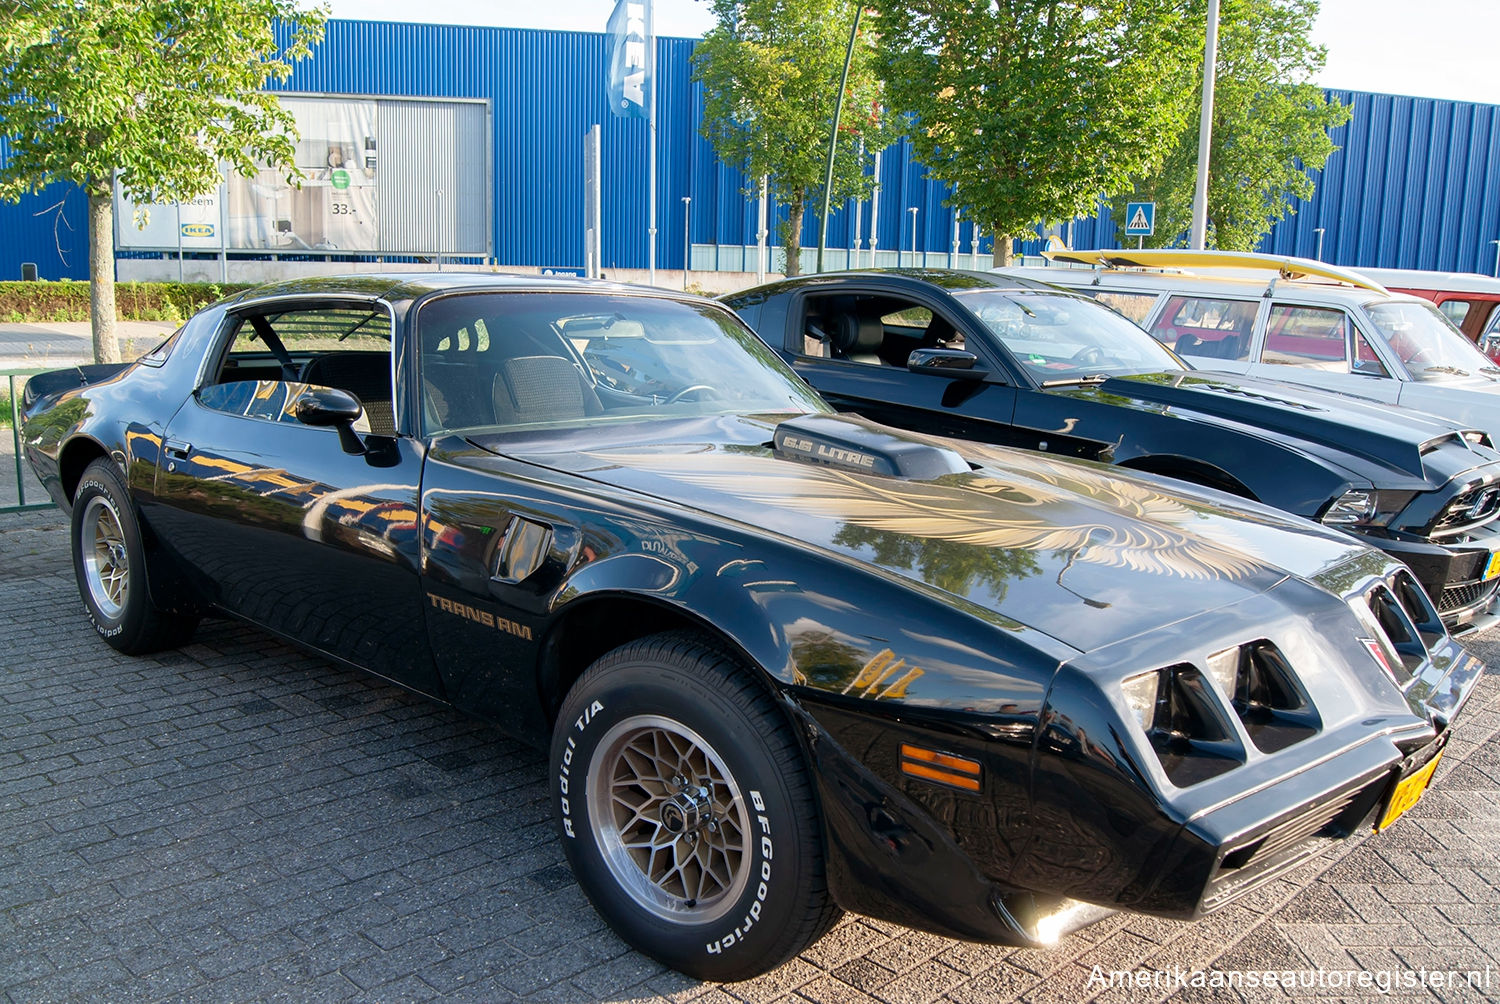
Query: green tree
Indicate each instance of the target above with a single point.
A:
(1270, 127)
(1035, 109)
(770, 72)
(154, 94)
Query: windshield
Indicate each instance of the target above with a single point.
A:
(498, 361)
(1059, 337)
(1428, 343)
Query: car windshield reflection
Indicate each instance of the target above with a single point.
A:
(1428, 343)
(498, 362)
(1060, 339)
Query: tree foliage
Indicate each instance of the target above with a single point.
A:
(770, 72)
(1035, 109)
(1270, 126)
(153, 93)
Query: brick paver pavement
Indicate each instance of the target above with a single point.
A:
(240, 821)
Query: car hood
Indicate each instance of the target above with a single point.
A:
(1080, 552)
(1394, 438)
(1473, 401)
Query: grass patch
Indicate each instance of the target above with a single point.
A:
(68, 300)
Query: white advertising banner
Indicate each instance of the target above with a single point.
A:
(431, 169)
(193, 225)
(335, 207)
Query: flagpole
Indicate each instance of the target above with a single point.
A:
(651, 141)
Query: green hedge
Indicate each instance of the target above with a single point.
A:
(68, 300)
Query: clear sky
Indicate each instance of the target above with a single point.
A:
(1430, 48)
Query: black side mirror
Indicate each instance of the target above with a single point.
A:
(325, 406)
(957, 364)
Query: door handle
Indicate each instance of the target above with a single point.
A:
(178, 448)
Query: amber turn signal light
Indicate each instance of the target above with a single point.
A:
(942, 768)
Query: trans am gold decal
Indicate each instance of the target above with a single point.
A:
(1044, 507)
(479, 616)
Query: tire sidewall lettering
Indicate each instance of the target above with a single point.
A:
(750, 915)
(569, 779)
(87, 489)
(565, 768)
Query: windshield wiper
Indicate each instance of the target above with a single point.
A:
(1093, 379)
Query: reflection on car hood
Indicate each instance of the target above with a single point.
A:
(1376, 432)
(1083, 554)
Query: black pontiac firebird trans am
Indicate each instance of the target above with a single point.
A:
(787, 662)
(1006, 360)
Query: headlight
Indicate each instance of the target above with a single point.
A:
(1351, 509)
(1366, 507)
(1224, 669)
(1141, 693)
(1185, 726)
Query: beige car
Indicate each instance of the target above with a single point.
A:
(1292, 319)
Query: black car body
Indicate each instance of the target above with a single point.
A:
(1017, 362)
(791, 658)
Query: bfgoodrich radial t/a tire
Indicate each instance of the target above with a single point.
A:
(109, 561)
(686, 811)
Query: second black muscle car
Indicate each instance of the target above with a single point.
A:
(785, 661)
(1018, 362)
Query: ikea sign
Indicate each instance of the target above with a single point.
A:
(197, 229)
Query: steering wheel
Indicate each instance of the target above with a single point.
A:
(1087, 356)
(688, 390)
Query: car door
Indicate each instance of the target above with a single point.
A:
(853, 344)
(1321, 346)
(309, 531)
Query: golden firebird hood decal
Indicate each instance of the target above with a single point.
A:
(1099, 519)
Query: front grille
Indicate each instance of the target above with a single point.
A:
(1470, 510)
(1290, 842)
(1458, 597)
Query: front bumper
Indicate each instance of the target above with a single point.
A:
(1072, 823)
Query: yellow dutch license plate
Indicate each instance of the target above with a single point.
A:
(1408, 790)
(1493, 568)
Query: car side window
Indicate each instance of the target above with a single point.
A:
(1309, 337)
(1366, 360)
(1135, 306)
(1455, 311)
(1207, 327)
(277, 353)
(872, 329)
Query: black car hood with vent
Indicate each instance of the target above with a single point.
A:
(1395, 438)
(1078, 552)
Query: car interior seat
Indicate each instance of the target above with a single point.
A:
(366, 375)
(542, 389)
(938, 334)
(857, 337)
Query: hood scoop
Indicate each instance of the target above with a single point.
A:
(853, 444)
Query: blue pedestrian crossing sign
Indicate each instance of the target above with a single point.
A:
(1140, 219)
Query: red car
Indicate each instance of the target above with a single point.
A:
(1471, 301)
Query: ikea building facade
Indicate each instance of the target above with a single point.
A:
(434, 142)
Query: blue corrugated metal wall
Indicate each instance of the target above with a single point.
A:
(49, 229)
(1416, 183)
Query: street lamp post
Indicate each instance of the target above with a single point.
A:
(1318, 254)
(913, 211)
(1198, 232)
(687, 247)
